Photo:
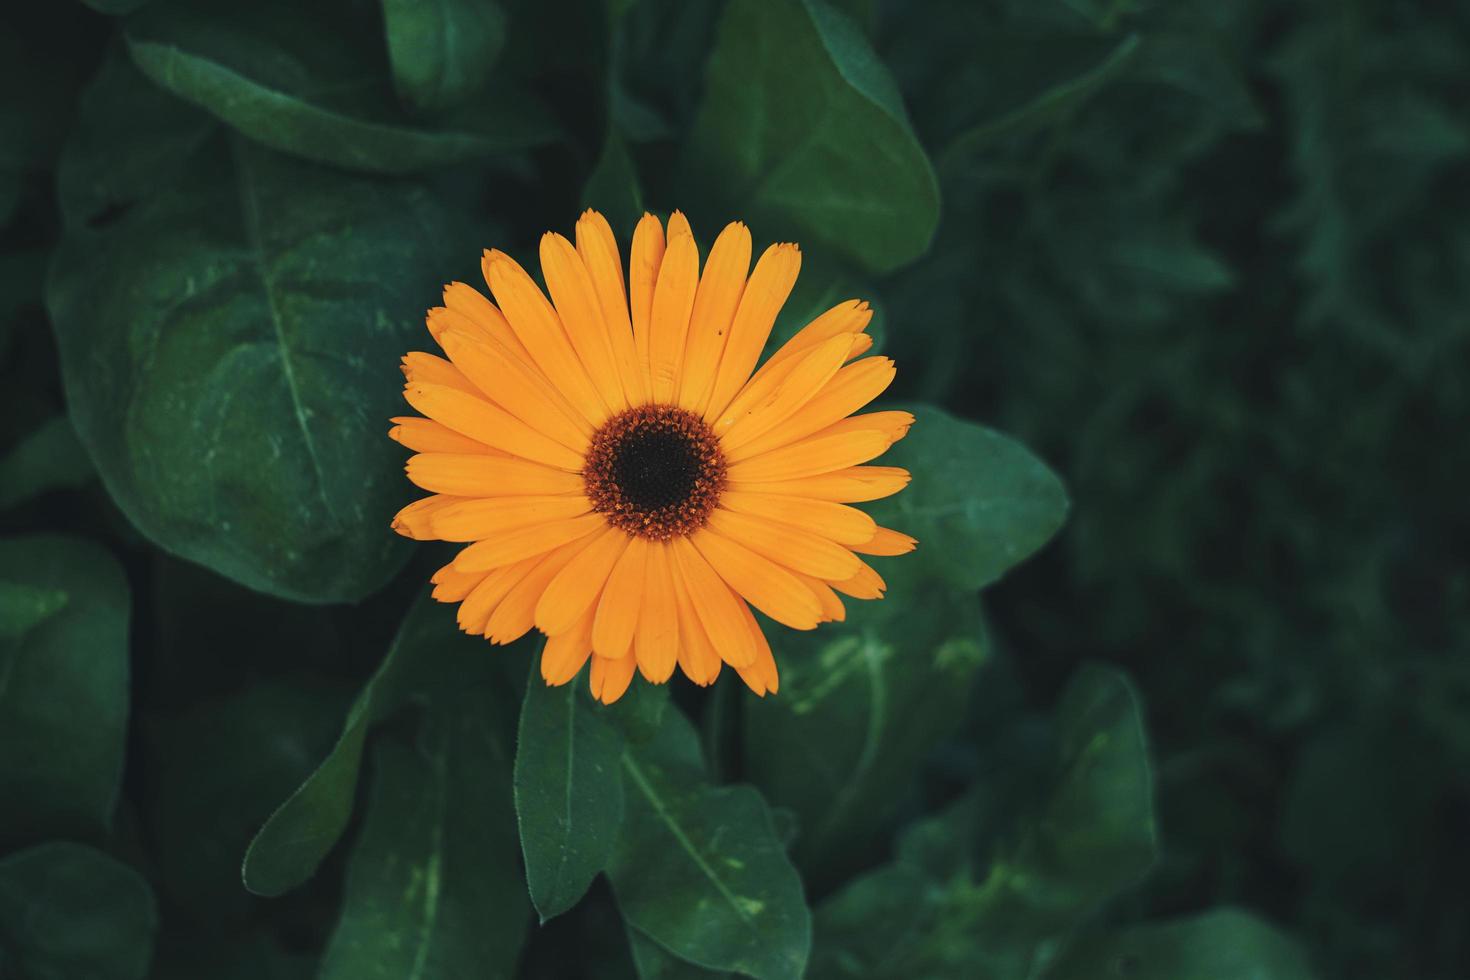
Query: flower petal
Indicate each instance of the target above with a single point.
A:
(716, 605)
(673, 301)
(656, 642)
(432, 369)
(577, 305)
(484, 517)
(697, 655)
(785, 545)
(622, 599)
(479, 475)
(525, 542)
(478, 419)
(852, 485)
(812, 371)
(843, 524)
(540, 330)
(760, 581)
(481, 602)
(853, 387)
(851, 317)
(610, 678)
(515, 616)
(599, 250)
(564, 654)
(428, 436)
(720, 287)
(866, 584)
(475, 314)
(643, 265)
(579, 585)
(503, 379)
(887, 543)
(760, 676)
(809, 457)
(766, 292)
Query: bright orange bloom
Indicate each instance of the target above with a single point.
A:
(625, 479)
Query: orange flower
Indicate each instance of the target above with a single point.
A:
(624, 478)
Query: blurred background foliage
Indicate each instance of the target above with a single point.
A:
(1207, 260)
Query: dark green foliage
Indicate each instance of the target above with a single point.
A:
(569, 793)
(1178, 297)
(63, 686)
(68, 912)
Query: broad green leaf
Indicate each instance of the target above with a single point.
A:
(229, 344)
(1045, 106)
(428, 657)
(653, 962)
(613, 187)
(50, 458)
(70, 912)
(433, 884)
(216, 772)
(861, 705)
(979, 502)
(311, 79)
(132, 140)
(967, 898)
(22, 608)
(1095, 833)
(442, 51)
(568, 793)
(802, 127)
(58, 776)
(700, 870)
(1223, 944)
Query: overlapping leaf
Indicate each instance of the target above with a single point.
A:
(64, 657)
(699, 869)
(310, 79)
(229, 343)
(802, 125)
(433, 884)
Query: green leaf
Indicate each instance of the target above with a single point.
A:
(802, 126)
(442, 51)
(568, 793)
(700, 870)
(310, 79)
(70, 912)
(653, 962)
(1046, 106)
(613, 187)
(58, 776)
(48, 459)
(433, 884)
(216, 771)
(861, 705)
(966, 900)
(979, 502)
(427, 657)
(230, 343)
(1096, 832)
(1222, 944)
(22, 608)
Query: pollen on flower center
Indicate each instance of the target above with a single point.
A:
(655, 471)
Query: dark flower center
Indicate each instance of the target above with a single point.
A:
(655, 470)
